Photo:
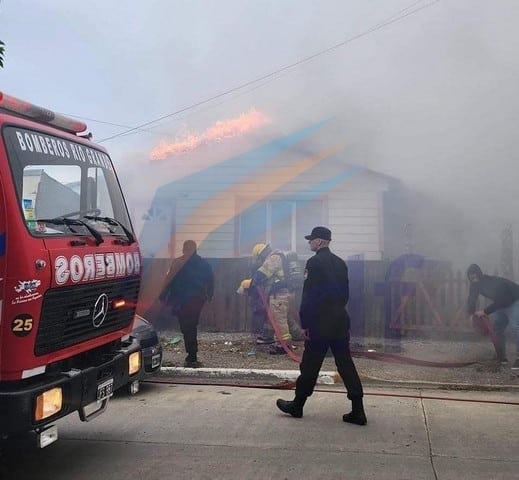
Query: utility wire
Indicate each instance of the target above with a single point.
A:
(133, 130)
(111, 123)
(273, 75)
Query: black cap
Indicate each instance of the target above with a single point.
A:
(320, 232)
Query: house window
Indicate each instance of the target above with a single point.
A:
(281, 223)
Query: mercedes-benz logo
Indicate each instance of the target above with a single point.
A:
(100, 310)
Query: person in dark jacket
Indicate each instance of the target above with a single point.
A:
(505, 307)
(325, 324)
(189, 284)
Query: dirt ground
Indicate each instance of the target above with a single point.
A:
(239, 350)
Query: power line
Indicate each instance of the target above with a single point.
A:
(132, 130)
(109, 123)
(404, 13)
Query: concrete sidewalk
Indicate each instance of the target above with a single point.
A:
(224, 432)
(411, 434)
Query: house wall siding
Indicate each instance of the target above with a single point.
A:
(205, 206)
(352, 211)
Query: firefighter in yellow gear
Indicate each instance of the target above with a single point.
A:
(268, 275)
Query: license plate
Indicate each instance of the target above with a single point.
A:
(155, 360)
(105, 389)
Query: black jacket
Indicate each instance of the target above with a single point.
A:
(502, 291)
(325, 295)
(194, 282)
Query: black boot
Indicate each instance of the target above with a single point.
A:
(294, 408)
(357, 415)
(192, 362)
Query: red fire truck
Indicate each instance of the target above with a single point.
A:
(70, 271)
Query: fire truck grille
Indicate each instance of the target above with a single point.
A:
(67, 316)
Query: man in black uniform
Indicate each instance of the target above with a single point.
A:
(325, 324)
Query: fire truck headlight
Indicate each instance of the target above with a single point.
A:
(134, 363)
(48, 403)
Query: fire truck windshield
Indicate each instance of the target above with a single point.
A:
(56, 178)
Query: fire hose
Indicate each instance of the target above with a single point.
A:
(486, 326)
(288, 385)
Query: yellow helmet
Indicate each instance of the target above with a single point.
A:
(257, 249)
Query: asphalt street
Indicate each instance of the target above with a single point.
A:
(221, 432)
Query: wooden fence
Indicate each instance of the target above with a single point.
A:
(384, 298)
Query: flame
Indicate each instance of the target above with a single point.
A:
(220, 131)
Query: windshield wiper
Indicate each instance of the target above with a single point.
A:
(113, 222)
(74, 222)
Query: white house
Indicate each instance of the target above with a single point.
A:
(274, 193)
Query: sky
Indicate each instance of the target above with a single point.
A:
(430, 99)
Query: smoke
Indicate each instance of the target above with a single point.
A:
(430, 101)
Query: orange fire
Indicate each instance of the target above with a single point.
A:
(221, 130)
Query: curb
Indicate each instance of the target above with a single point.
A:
(424, 384)
(325, 378)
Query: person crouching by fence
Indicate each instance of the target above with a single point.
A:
(504, 310)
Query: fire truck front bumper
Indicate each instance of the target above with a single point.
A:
(36, 403)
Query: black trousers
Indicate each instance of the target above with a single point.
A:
(313, 356)
(188, 318)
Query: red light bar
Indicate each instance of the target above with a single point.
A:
(40, 114)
